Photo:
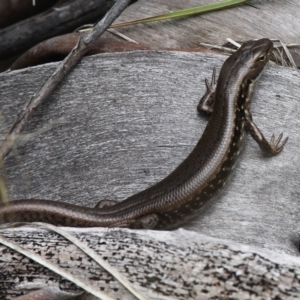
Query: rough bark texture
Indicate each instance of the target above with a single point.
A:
(158, 263)
(121, 122)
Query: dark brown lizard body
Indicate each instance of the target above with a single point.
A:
(198, 178)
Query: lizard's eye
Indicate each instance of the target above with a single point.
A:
(262, 57)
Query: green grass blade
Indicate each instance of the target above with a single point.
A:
(185, 12)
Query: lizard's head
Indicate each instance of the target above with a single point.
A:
(253, 56)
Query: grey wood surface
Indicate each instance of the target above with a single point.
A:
(159, 265)
(260, 18)
(121, 122)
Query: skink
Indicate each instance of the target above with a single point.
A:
(196, 181)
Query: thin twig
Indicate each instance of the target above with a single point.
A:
(85, 41)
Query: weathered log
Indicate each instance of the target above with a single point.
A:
(254, 19)
(121, 122)
(241, 23)
(162, 265)
(258, 18)
(25, 34)
(57, 48)
(12, 11)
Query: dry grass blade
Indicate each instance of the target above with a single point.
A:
(90, 252)
(217, 47)
(287, 53)
(233, 42)
(81, 283)
(121, 35)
